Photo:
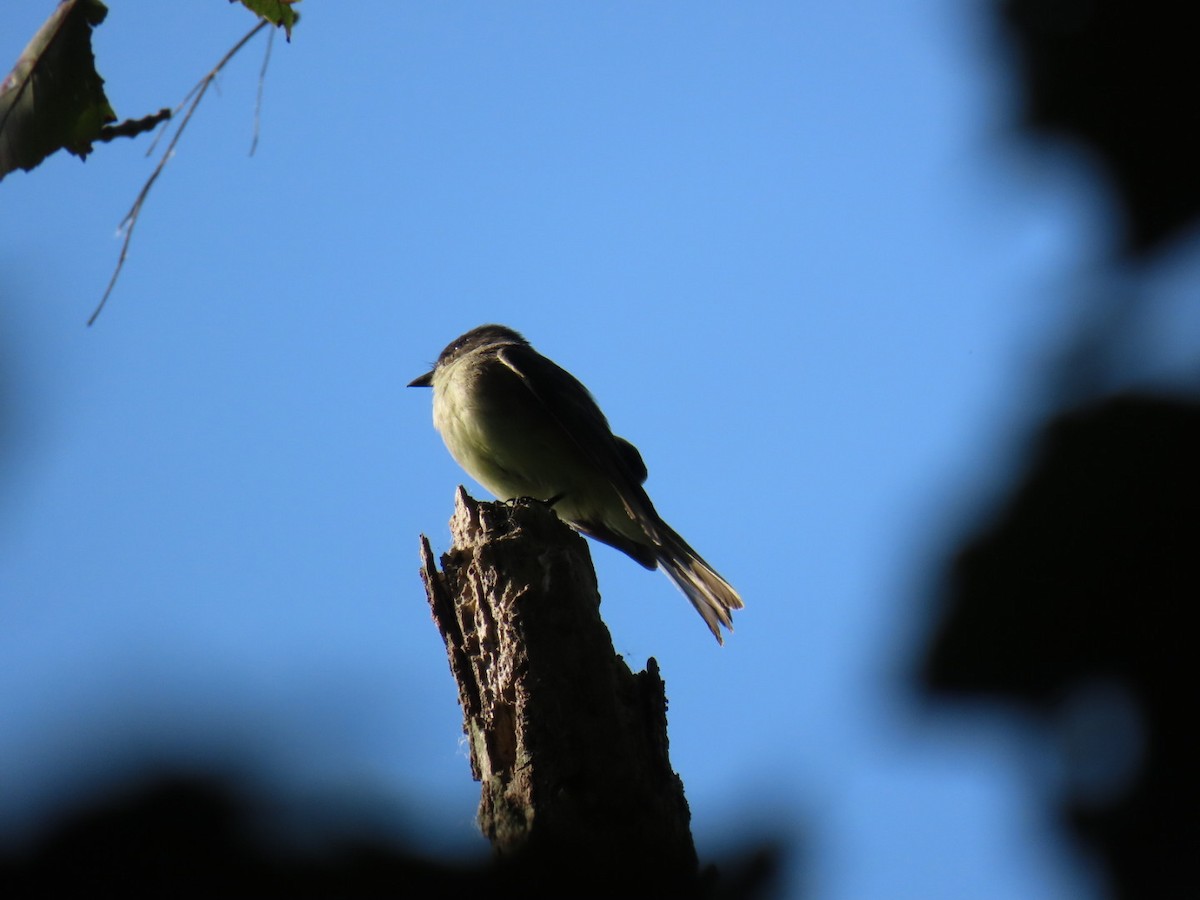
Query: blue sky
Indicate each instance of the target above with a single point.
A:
(785, 244)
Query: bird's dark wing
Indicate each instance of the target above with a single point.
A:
(633, 459)
(568, 402)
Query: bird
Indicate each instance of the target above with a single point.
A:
(524, 427)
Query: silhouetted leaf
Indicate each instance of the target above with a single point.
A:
(54, 98)
(1119, 77)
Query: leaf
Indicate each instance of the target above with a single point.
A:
(54, 98)
(277, 12)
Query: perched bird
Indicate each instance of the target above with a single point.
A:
(524, 427)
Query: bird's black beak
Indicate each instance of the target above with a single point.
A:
(425, 380)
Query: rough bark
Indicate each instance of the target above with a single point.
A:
(569, 744)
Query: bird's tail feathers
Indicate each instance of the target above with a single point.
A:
(712, 596)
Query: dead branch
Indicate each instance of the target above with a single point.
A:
(569, 744)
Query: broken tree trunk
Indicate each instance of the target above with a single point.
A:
(569, 744)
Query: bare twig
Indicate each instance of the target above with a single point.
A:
(134, 127)
(195, 95)
(262, 77)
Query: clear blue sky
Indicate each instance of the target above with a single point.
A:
(784, 244)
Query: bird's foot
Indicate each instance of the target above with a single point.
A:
(514, 501)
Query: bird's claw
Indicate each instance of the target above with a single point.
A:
(514, 501)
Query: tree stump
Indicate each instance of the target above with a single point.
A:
(570, 746)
